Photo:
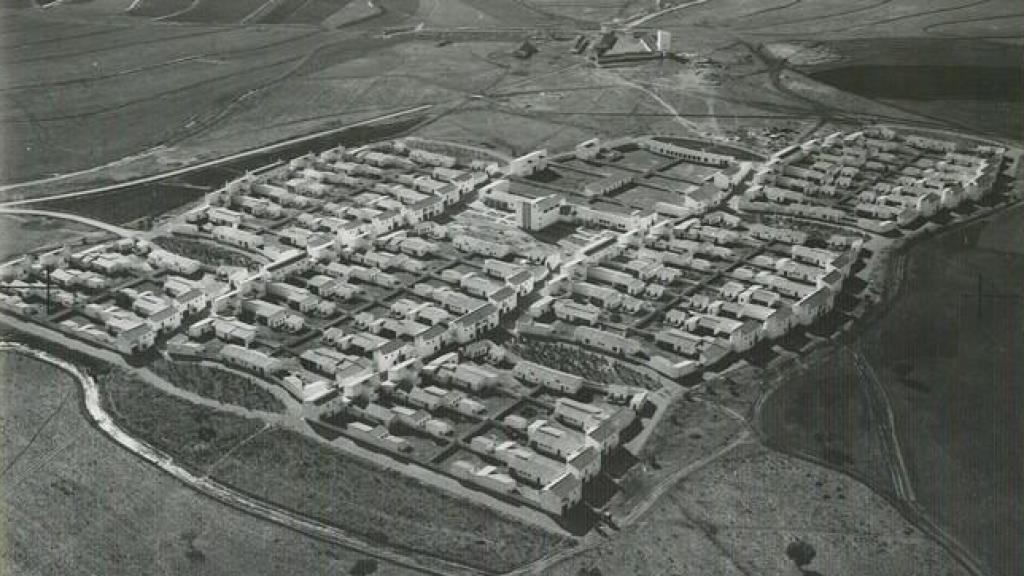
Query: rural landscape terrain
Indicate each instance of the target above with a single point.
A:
(511, 287)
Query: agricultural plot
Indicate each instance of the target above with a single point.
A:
(589, 11)
(316, 11)
(219, 11)
(147, 84)
(159, 8)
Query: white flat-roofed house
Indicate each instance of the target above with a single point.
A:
(377, 436)
(295, 236)
(620, 280)
(613, 216)
(428, 158)
(607, 434)
(549, 378)
(741, 335)
(221, 216)
(902, 215)
(571, 311)
(430, 341)
(327, 287)
(237, 237)
(192, 301)
(265, 313)
(417, 247)
(679, 341)
(433, 398)
(562, 494)
(585, 463)
(388, 354)
(234, 331)
(776, 234)
(504, 299)
(439, 428)
(251, 360)
(167, 319)
(163, 315)
(501, 269)
(470, 407)
(472, 325)
(473, 377)
(607, 341)
(477, 284)
(325, 360)
(486, 476)
(554, 441)
(528, 164)
(560, 489)
(609, 298)
(132, 335)
(523, 282)
(173, 263)
(476, 245)
(775, 322)
(813, 306)
(298, 298)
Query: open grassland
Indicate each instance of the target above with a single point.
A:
(105, 92)
(738, 515)
(217, 384)
(949, 355)
(689, 432)
(384, 506)
(23, 234)
(75, 502)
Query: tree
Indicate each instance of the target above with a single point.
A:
(801, 553)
